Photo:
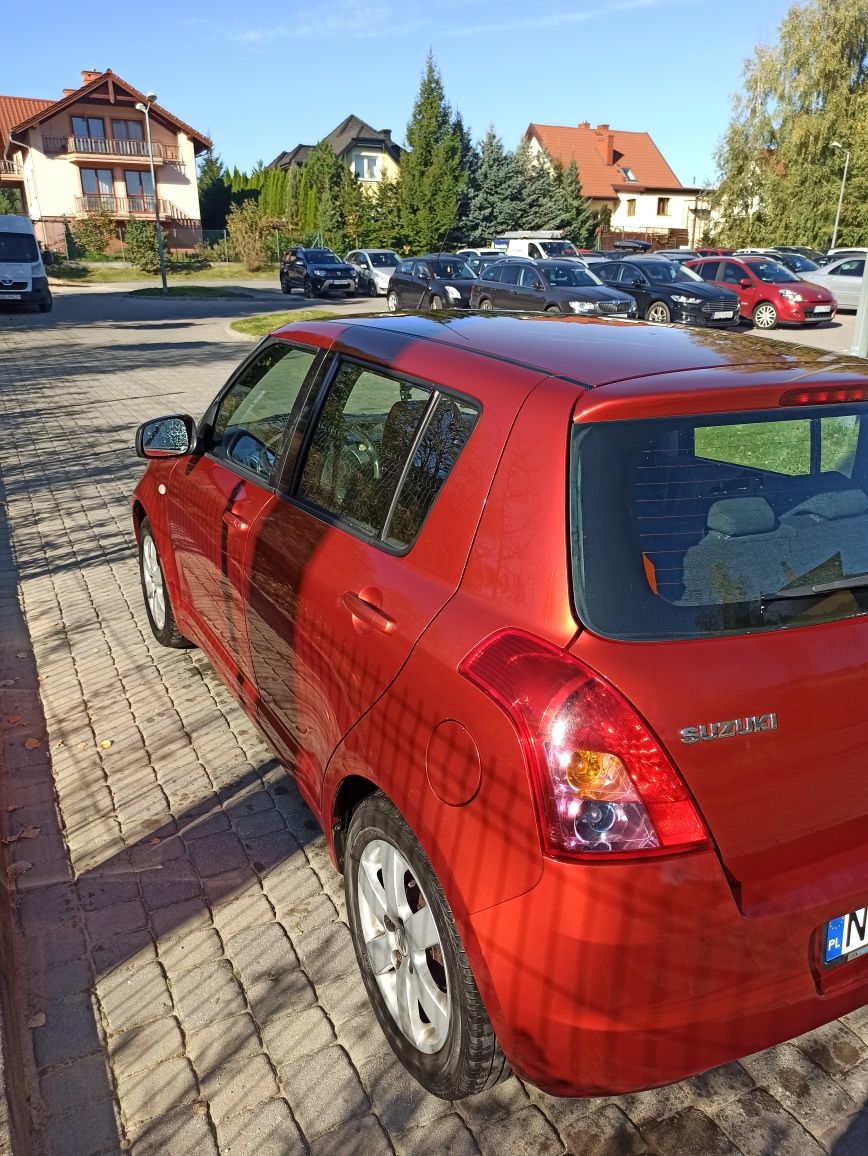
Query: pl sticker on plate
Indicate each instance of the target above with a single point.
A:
(847, 936)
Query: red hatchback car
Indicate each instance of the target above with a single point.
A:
(769, 293)
(560, 627)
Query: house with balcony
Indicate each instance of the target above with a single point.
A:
(369, 152)
(91, 150)
(626, 173)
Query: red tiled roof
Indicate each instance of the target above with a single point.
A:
(43, 109)
(587, 147)
(14, 109)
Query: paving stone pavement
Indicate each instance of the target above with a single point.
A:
(183, 957)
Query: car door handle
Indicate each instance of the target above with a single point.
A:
(370, 615)
(235, 520)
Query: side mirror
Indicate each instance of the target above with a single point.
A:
(167, 437)
(745, 283)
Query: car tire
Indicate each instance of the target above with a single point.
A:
(486, 305)
(161, 617)
(436, 302)
(765, 316)
(414, 967)
(307, 287)
(392, 301)
(659, 312)
(553, 309)
(46, 306)
(284, 286)
(372, 289)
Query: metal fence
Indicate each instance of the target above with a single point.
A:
(220, 243)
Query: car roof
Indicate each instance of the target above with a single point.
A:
(590, 352)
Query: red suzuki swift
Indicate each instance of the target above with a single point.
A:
(561, 627)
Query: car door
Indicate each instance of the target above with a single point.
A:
(530, 293)
(736, 277)
(845, 281)
(214, 497)
(348, 568)
(632, 280)
(506, 289)
(402, 281)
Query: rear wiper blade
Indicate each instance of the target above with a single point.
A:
(857, 582)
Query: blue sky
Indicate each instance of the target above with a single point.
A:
(262, 77)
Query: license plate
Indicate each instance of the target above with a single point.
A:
(343, 284)
(822, 308)
(10, 296)
(723, 313)
(847, 935)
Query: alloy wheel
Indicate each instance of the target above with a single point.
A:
(658, 312)
(152, 576)
(403, 946)
(765, 316)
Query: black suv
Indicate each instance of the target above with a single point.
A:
(317, 272)
(552, 286)
(665, 291)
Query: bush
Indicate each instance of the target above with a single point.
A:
(250, 232)
(94, 232)
(140, 238)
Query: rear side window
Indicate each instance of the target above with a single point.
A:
(709, 522)
(381, 450)
(708, 270)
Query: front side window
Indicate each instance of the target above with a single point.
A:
(530, 277)
(711, 521)
(381, 450)
(253, 413)
(406, 268)
(850, 268)
(510, 274)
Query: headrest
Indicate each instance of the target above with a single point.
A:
(835, 504)
(736, 516)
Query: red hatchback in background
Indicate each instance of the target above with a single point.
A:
(769, 293)
(561, 628)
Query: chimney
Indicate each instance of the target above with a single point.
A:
(584, 124)
(88, 76)
(606, 143)
(387, 133)
(69, 91)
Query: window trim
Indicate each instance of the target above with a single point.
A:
(289, 491)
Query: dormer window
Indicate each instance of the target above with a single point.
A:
(627, 173)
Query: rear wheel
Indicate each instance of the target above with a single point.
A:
(161, 617)
(765, 316)
(392, 301)
(658, 311)
(46, 306)
(436, 302)
(284, 285)
(307, 287)
(485, 304)
(552, 309)
(412, 961)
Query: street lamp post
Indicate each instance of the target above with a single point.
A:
(836, 144)
(146, 109)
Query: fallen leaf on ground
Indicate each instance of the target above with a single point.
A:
(13, 807)
(14, 719)
(32, 744)
(154, 842)
(106, 743)
(29, 833)
(59, 743)
(7, 682)
(199, 1107)
(37, 1021)
(16, 869)
(21, 654)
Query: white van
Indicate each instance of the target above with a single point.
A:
(22, 273)
(539, 246)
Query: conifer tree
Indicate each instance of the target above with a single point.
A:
(494, 193)
(431, 180)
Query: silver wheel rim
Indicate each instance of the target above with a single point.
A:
(486, 305)
(402, 943)
(765, 316)
(657, 313)
(436, 303)
(393, 303)
(153, 578)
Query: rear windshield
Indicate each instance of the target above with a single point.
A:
(18, 247)
(719, 525)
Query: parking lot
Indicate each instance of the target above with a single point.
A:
(185, 980)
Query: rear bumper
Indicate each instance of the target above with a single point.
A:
(612, 978)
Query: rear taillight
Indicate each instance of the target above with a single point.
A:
(603, 784)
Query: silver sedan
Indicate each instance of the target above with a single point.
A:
(843, 278)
